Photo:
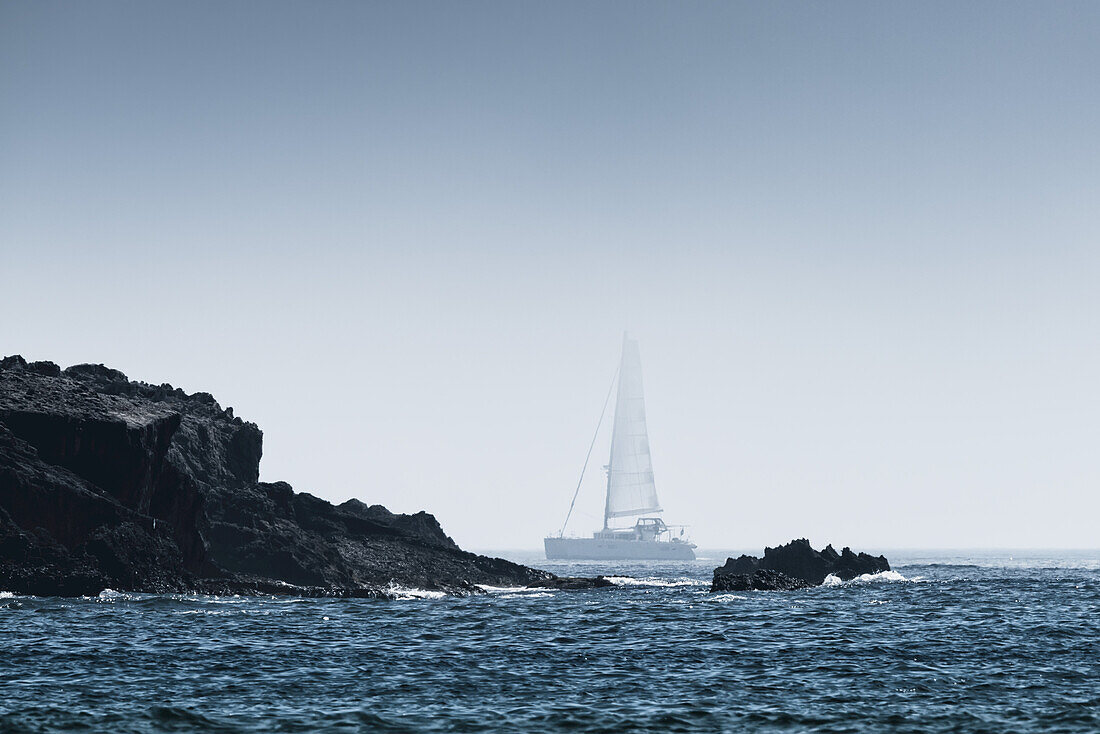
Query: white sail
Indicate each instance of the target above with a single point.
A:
(630, 487)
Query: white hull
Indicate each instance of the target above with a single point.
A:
(631, 491)
(606, 549)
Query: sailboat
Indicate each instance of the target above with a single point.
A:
(631, 491)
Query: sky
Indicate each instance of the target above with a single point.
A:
(859, 245)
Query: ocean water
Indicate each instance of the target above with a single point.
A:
(950, 642)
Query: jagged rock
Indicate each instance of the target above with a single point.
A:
(14, 362)
(745, 565)
(48, 369)
(108, 482)
(849, 564)
(571, 583)
(759, 580)
(799, 560)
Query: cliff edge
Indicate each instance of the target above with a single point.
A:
(111, 483)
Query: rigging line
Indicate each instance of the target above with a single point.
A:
(587, 456)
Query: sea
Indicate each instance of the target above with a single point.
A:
(949, 641)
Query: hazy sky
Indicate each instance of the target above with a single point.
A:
(859, 244)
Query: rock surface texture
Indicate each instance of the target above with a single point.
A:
(793, 566)
(109, 483)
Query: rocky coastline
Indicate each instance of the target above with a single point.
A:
(111, 483)
(795, 565)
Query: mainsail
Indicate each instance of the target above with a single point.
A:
(630, 487)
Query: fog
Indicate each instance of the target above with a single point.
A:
(858, 247)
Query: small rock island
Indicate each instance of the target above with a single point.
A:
(795, 565)
(111, 483)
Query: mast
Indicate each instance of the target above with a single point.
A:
(607, 499)
(603, 412)
(614, 427)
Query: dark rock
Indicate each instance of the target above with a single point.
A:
(849, 564)
(46, 369)
(14, 362)
(800, 561)
(743, 565)
(35, 563)
(571, 583)
(797, 559)
(105, 482)
(759, 580)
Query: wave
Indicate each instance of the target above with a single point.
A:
(210, 612)
(529, 594)
(516, 592)
(404, 593)
(111, 595)
(179, 715)
(865, 578)
(656, 581)
(723, 598)
(7, 594)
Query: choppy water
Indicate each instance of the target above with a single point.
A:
(967, 643)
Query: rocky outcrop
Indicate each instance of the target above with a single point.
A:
(107, 482)
(796, 560)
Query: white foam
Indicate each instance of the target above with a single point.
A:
(210, 612)
(509, 591)
(866, 578)
(725, 598)
(110, 595)
(880, 576)
(405, 593)
(535, 594)
(656, 581)
(7, 594)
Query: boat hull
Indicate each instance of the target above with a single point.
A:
(608, 549)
